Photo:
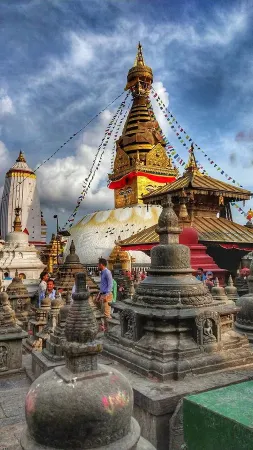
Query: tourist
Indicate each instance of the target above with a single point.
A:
(50, 289)
(200, 274)
(106, 286)
(209, 280)
(7, 276)
(44, 277)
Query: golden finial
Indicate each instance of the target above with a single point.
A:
(192, 164)
(17, 221)
(21, 157)
(139, 60)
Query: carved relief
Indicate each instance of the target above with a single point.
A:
(227, 322)
(130, 326)
(122, 160)
(3, 358)
(158, 157)
(207, 327)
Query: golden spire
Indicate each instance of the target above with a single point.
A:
(139, 74)
(139, 60)
(192, 164)
(17, 221)
(21, 157)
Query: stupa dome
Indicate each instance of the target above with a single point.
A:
(103, 228)
(106, 400)
(189, 236)
(17, 237)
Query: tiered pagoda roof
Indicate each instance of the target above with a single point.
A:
(204, 199)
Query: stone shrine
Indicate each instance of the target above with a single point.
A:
(82, 405)
(173, 327)
(11, 336)
(20, 301)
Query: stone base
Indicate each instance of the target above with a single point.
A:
(158, 405)
(131, 441)
(11, 352)
(41, 364)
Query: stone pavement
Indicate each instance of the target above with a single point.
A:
(12, 409)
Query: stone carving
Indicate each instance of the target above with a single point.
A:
(3, 358)
(208, 327)
(128, 323)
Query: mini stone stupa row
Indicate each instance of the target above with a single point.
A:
(173, 326)
(81, 405)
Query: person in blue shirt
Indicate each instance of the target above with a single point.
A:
(106, 286)
(200, 274)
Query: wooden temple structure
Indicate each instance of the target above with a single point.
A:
(204, 204)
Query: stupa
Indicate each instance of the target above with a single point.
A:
(20, 300)
(18, 254)
(11, 336)
(173, 327)
(141, 164)
(65, 277)
(81, 405)
(20, 191)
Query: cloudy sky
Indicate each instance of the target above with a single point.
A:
(62, 61)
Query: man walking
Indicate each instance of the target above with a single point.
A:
(106, 285)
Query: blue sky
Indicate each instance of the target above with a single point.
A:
(63, 61)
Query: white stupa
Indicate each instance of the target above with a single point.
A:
(17, 254)
(20, 191)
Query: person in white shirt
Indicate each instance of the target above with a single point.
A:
(44, 277)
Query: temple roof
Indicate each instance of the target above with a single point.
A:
(194, 181)
(210, 229)
(198, 183)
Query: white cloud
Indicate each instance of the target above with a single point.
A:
(6, 104)
(60, 181)
(4, 157)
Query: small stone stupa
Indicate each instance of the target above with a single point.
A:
(65, 277)
(20, 300)
(11, 336)
(173, 327)
(52, 354)
(82, 405)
